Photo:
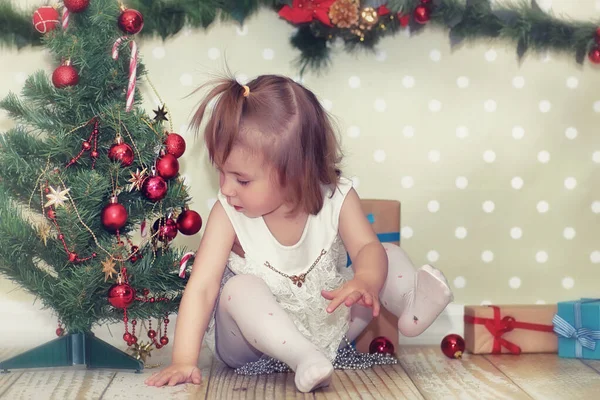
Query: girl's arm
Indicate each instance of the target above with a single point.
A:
(203, 286)
(369, 260)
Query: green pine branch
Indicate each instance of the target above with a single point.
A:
(51, 125)
(523, 24)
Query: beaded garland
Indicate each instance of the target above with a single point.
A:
(346, 358)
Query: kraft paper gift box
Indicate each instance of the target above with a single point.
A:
(384, 216)
(577, 324)
(511, 329)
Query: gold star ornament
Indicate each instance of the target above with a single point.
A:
(142, 350)
(44, 233)
(160, 114)
(137, 179)
(56, 197)
(108, 267)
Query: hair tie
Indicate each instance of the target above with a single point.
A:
(246, 90)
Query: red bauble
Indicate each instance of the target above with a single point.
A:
(422, 14)
(175, 144)
(164, 340)
(151, 333)
(76, 6)
(165, 229)
(65, 75)
(121, 295)
(594, 55)
(131, 21)
(453, 346)
(45, 19)
(167, 166)
(51, 214)
(121, 151)
(381, 345)
(114, 215)
(60, 332)
(154, 188)
(189, 222)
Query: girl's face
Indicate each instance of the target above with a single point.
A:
(249, 184)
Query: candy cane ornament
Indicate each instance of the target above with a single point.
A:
(183, 263)
(132, 68)
(65, 19)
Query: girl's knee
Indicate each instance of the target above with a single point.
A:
(241, 283)
(396, 255)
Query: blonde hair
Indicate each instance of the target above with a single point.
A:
(282, 120)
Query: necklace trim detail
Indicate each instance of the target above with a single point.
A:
(297, 280)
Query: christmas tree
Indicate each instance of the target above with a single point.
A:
(81, 174)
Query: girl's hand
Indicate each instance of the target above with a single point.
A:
(353, 292)
(174, 374)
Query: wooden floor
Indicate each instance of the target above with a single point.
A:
(423, 373)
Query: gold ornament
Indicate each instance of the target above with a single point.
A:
(137, 179)
(141, 350)
(108, 267)
(56, 197)
(44, 233)
(344, 13)
(368, 18)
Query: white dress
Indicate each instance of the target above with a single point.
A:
(304, 304)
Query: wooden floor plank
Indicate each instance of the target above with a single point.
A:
(227, 385)
(547, 376)
(595, 364)
(382, 382)
(130, 385)
(7, 380)
(59, 383)
(473, 377)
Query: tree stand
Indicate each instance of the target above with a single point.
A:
(74, 349)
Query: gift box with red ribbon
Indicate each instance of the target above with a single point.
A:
(514, 329)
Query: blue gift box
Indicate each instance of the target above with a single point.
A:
(577, 324)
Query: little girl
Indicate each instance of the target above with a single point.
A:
(270, 274)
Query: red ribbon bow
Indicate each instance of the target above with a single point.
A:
(303, 11)
(499, 326)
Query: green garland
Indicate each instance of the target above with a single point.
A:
(525, 25)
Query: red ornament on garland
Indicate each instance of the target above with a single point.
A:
(165, 229)
(131, 21)
(45, 19)
(73, 257)
(404, 19)
(167, 166)
(381, 345)
(76, 6)
(114, 215)
(65, 75)
(189, 222)
(121, 295)
(453, 346)
(121, 151)
(154, 188)
(594, 55)
(175, 144)
(422, 14)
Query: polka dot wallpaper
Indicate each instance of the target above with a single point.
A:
(496, 162)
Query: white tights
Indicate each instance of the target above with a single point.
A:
(250, 322)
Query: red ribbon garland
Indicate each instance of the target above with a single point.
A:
(499, 326)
